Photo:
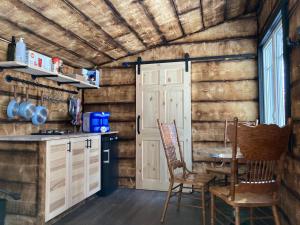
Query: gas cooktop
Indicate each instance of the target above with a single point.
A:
(52, 132)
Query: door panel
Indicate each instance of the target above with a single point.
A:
(56, 178)
(163, 92)
(77, 171)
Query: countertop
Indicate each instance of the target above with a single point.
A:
(32, 138)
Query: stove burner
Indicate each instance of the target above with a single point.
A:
(52, 132)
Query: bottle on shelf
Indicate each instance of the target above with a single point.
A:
(11, 50)
(20, 51)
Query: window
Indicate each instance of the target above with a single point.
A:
(273, 78)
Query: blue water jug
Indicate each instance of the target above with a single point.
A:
(96, 122)
(20, 55)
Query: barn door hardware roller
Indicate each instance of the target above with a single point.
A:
(187, 58)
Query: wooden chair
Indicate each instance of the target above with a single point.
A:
(170, 141)
(263, 147)
(221, 168)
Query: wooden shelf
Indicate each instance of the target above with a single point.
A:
(39, 72)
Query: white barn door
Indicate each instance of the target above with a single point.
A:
(163, 91)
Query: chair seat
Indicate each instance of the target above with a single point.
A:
(226, 170)
(200, 179)
(245, 199)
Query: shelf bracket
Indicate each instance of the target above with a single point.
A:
(13, 67)
(45, 76)
(67, 82)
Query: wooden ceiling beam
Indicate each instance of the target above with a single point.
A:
(177, 16)
(97, 26)
(122, 20)
(152, 20)
(225, 10)
(246, 6)
(66, 30)
(26, 30)
(201, 12)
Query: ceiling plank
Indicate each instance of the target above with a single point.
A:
(165, 17)
(191, 21)
(213, 12)
(41, 44)
(97, 26)
(26, 17)
(120, 17)
(133, 13)
(174, 6)
(235, 8)
(152, 19)
(186, 5)
(56, 12)
(252, 6)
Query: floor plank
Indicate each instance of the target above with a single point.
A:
(137, 207)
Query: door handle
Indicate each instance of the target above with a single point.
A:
(108, 155)
(138, 124)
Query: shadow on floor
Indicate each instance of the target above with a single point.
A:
(139, 207)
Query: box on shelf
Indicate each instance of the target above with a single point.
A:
(38, 60)
(67, 70)
(93, 77)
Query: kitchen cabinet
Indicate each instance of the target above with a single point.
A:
(93, 156)
(72, 172)
(56, 178)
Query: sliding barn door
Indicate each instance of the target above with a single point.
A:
(163, 92)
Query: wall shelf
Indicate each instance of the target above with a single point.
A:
(39, 72)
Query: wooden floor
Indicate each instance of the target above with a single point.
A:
(133, 207)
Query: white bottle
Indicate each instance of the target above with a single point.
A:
(20, 51)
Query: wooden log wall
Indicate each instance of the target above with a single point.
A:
(290, 189)
(220, 90)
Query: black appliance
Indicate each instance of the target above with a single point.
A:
(109, 164)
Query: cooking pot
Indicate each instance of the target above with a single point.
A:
(26, 109)
(41, 113)
(13, 106)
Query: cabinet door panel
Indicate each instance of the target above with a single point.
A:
(93, 155)
(77, 171)
(56, 178)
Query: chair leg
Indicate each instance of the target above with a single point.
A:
(203, 205)
(237, 216)
(251, 216)
(275, 214)
(179, 196)
(212, 209)
(167, 202)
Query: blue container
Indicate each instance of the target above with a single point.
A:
(96, 122)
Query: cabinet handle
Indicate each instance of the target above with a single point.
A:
(87, 143)
(69, 147)
(90, 143)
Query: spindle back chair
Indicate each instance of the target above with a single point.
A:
(170, 140)
(263, 148)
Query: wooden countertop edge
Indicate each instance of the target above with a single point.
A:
(40, 138)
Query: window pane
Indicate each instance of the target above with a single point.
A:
(273, 78)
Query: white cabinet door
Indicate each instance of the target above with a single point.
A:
(93, 165)
(163, 91)
(77, 167)
(56, 178)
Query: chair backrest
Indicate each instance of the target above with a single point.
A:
(262, 147)
(170, 140)
(248, 123)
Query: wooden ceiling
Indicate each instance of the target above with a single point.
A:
(90, 33)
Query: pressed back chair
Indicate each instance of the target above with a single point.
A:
(263, 148)
(170, 140)
(221, 168)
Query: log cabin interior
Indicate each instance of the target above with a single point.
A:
(89, 93)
